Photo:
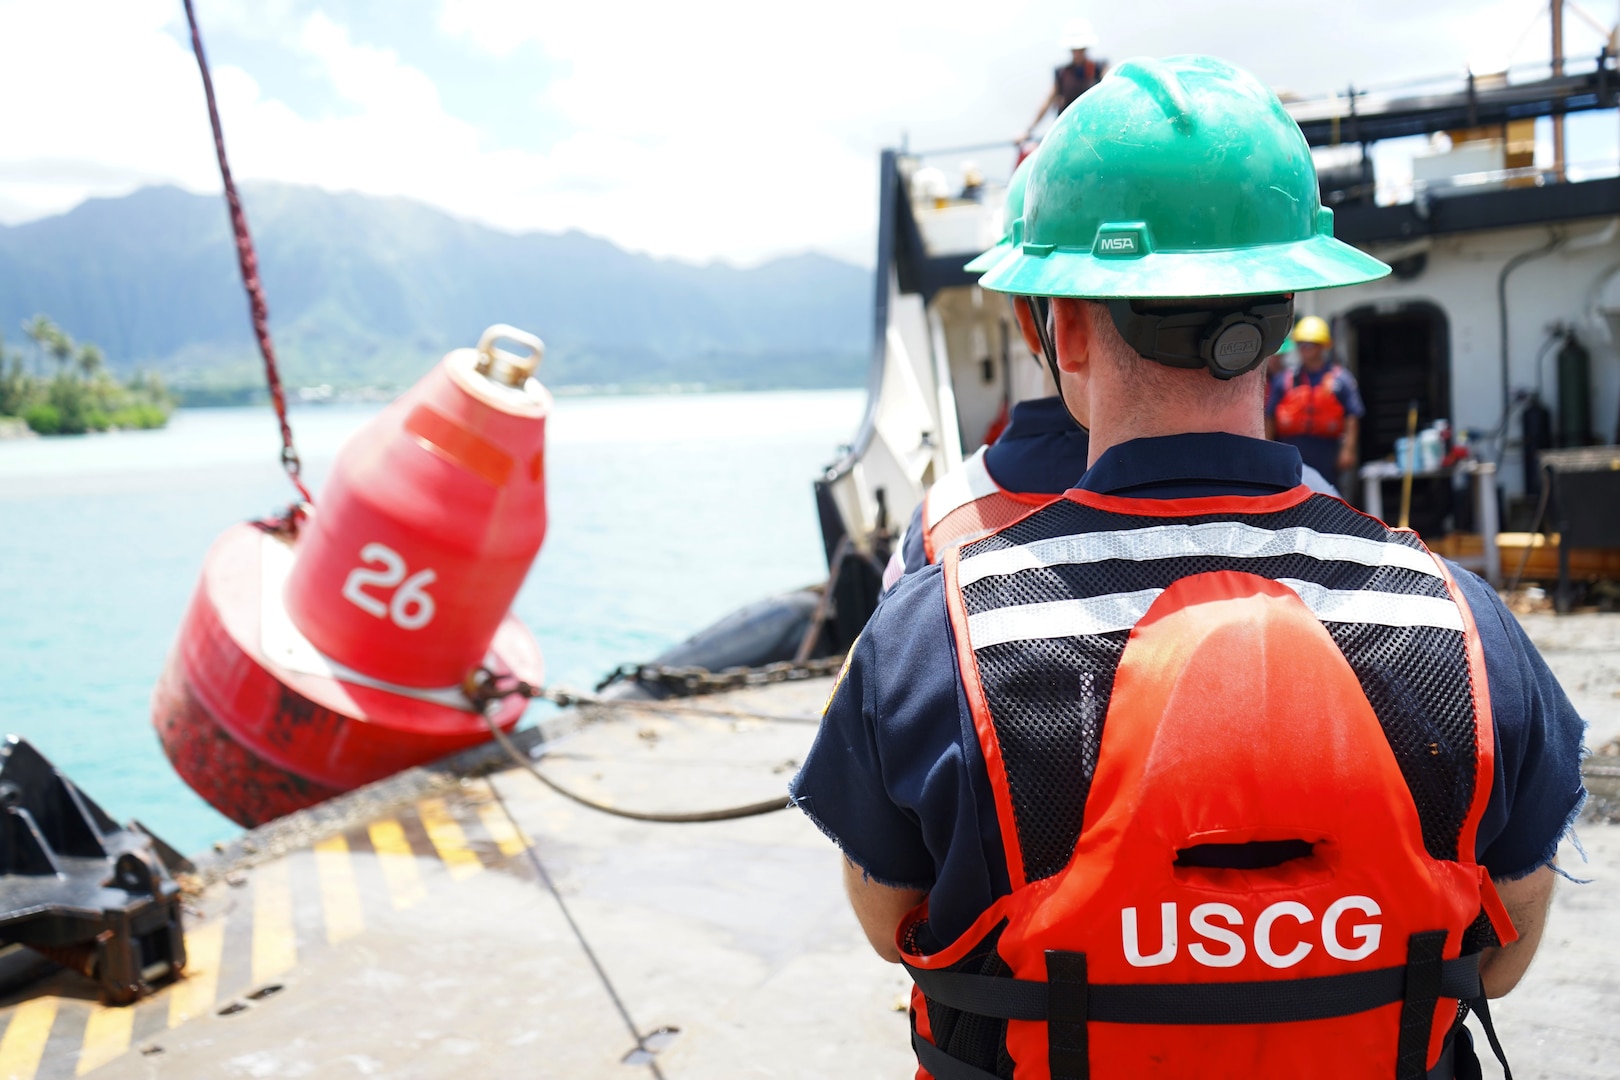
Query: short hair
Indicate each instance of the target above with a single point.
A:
(1160, 385)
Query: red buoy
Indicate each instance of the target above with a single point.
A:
(308, 667)
(429, 522)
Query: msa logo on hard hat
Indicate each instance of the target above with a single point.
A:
(1215, 924)
(1122, 239)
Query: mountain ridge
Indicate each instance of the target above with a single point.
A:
(368, 290)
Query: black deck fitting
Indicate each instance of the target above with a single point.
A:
(79, 889)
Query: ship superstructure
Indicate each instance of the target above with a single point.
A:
(1500, 259)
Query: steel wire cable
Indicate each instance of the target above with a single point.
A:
(579, 936)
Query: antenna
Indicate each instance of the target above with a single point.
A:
(1557, 71)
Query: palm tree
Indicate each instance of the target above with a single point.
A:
(90, 361)
(42, 330)
(61, 347)
(13, 383)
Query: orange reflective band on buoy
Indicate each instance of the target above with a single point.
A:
(458, 445)
(311, 666)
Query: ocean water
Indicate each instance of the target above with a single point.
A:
(666, 512)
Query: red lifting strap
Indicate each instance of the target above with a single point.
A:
(248, 261)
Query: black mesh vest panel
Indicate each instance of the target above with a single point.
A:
(1048, 697)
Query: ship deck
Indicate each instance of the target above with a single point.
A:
(467, 919)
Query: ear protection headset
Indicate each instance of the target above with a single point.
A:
(1227, 338)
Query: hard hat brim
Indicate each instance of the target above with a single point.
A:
(985, 260)
(1319, 262)
(1000, 255)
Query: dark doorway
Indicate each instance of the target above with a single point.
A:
(1400, 353)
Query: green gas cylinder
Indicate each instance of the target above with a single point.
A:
(1574, 392)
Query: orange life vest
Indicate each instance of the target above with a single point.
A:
(1316, 410)
(1240, 748)
(967, 504)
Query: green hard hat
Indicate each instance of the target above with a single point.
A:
(1011, 211)
(1181, 177)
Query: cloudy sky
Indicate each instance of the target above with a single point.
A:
(699, 129)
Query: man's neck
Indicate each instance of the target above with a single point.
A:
(1116, 419)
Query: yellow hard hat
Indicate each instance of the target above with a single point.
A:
(1312, 331)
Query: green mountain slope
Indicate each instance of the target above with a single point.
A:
(370, 291)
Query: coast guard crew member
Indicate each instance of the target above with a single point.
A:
(1073, 79)
(1193, 772)
(1317, 406)
(1038, 457)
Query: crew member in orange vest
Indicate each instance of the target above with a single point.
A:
(1316, 407)
(1193, 772)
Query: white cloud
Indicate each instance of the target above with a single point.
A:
(731, 127)
(738, 130)
(90, 105)
(714, 128)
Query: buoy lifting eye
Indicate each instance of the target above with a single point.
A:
(504, 367)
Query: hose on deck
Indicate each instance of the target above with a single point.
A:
(484, 687)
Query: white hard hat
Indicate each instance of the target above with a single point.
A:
(929, 183)
(1078, 34)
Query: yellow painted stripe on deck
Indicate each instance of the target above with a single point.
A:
(448, 839)
(275, 949)
(397, 862)
(340, 898)
(24, 1042)
(507, 836)
(106, 1036)
(193, 995)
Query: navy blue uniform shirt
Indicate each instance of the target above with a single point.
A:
(1041, 452)
(897, 779)
(1320, 453)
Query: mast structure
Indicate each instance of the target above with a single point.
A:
(1557, 72)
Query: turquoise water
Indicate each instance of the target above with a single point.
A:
(666, 512)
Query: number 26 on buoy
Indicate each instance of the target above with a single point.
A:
(410, 608)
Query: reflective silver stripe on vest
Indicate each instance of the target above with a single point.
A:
(957, 488)
(1229, 539)
(1121, 611)
(965, 539)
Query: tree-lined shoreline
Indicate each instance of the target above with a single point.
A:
(80, 395)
